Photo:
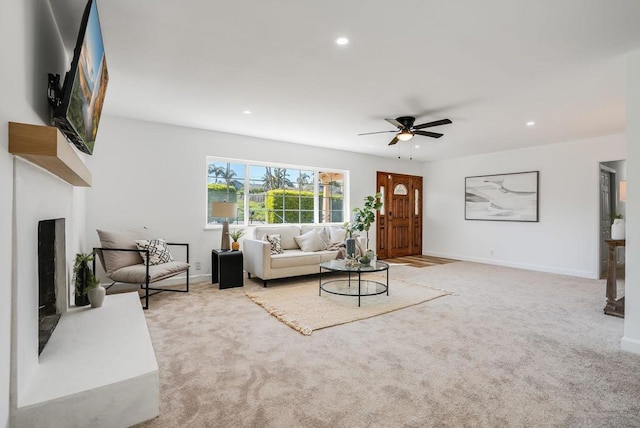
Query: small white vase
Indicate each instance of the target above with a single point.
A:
(96, 296)
(617, 229)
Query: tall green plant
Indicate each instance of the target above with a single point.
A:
(83, 277)
(364, 217)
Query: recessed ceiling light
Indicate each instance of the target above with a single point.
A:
(531, 123)
(342, 41)
(246, 112)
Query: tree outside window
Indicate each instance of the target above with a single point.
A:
(276, 194)
(225, 183)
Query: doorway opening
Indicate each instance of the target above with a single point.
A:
(612, 191)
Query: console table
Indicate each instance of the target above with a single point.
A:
(613, 307)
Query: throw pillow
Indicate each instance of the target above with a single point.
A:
(325, 237)
(310, 241)
(338, 234)
(276, 243)
(158, 252)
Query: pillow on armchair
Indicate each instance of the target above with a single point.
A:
(158, 252)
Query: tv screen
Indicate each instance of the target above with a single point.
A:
(80, 105)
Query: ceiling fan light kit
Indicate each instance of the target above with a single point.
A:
(407, 129)
(405, 135)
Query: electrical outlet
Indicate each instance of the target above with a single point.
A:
(198, 265)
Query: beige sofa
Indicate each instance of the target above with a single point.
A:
(293, 261)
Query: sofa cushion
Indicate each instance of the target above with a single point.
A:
(136, 274)
(294, 258)
(310, 241)
(327, 255)
(287, 233)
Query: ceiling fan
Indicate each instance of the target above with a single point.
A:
(406, 128)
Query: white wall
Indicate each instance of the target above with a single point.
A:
(154, 175)
(7, 71)
(565, 240)
(631, 339)
(30, 49)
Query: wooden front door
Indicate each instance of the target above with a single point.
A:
(399, 222)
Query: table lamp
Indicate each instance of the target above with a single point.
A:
(226, 210)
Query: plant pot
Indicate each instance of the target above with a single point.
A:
(371, 255)
(81, 300)
(618, 229)
(350, 244)
(82, 279)
(235, 246)
(96, 296)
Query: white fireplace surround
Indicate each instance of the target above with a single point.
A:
(93, 354)
(98, 369)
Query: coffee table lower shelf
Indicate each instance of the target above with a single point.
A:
(351, 287)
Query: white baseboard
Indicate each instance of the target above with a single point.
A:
(630, 345)
(537, 268)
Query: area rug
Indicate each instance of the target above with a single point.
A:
(298, 305)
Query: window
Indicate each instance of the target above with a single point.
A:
(273, 194)
(400, 189)
(225, 183)
(331, 197)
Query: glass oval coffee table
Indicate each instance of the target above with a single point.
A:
(347, 287)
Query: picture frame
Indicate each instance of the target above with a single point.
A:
(502, 197)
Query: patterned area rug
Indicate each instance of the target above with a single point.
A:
(297, 303)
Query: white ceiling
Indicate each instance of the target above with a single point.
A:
(489, 66)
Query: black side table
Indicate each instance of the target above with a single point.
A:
(227, 268)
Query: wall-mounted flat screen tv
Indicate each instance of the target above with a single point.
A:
(79, 104)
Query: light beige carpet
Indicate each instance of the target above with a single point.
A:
(509, 348)
(297, 303)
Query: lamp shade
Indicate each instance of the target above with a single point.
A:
(224, 209)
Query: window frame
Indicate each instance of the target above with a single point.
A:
(346, 208)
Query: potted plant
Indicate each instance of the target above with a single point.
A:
(350, 242)
(83, 278)
(364, 217)
(236, 235)
(617, 226)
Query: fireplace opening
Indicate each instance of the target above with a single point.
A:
(51, 277)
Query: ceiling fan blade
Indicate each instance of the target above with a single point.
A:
(395, 123)
(428, 134)
(378, 132)
(395, 140)
(434, 123)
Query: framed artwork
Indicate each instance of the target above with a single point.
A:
(504, 197)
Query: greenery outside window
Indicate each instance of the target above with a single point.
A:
(275, 194)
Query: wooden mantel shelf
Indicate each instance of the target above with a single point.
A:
(45, 146)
